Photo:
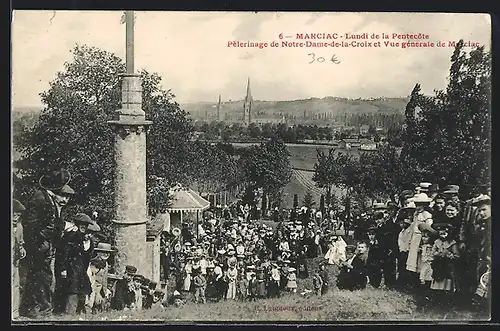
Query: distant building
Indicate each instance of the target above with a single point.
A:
(349, 143)
(367, 145)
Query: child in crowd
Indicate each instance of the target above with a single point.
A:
(98, 273)
(123, 289)
(200, 285)
(317, 283)
(445, 253)
(404, 246)
(426, 258)
(252, 287)
(242, 286)
(292, 280)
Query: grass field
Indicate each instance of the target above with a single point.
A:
(337, 305)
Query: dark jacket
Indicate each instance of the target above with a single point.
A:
(42, 226)
(75, 260)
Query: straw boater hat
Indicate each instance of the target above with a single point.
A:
(451, 189)
(104, 247)
(291, 269)
(424, 187)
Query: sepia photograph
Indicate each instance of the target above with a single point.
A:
(250, 167)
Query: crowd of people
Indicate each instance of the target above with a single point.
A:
(429, 242)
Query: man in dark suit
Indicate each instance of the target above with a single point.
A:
(76, 252)
(43, 230)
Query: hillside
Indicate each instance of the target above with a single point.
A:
(311, 111)
(308, 109)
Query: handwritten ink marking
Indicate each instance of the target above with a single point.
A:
(321, 59)
(53, 15)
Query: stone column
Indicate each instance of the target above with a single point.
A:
(130, 219)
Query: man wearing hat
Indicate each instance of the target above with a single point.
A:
(100, 292)
(451, 193)
(122, 297)
(18, 254)
(72, 264)
(43, 230)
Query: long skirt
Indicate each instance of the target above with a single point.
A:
(231, 290)
(187, 283)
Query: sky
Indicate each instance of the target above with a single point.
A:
(190, 51)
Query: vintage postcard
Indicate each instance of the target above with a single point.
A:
(243, 166)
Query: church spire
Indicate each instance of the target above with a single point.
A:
(247, 106)
(218, 110)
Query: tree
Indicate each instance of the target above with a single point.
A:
(72, 132)
(267, 166)
(254, 130)
(216, 168)
(322, 204)
(334, 170)
(295, 201)
(308, 200)
(448, 139)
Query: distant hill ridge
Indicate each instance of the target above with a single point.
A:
(331, 106)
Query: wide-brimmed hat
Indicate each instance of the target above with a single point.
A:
(451, 189)
(82, 218)
(55, 180)
(481, 200)
(421, 198)
(372, 228)
(292, 269)
(17, 206)
(104, 247)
